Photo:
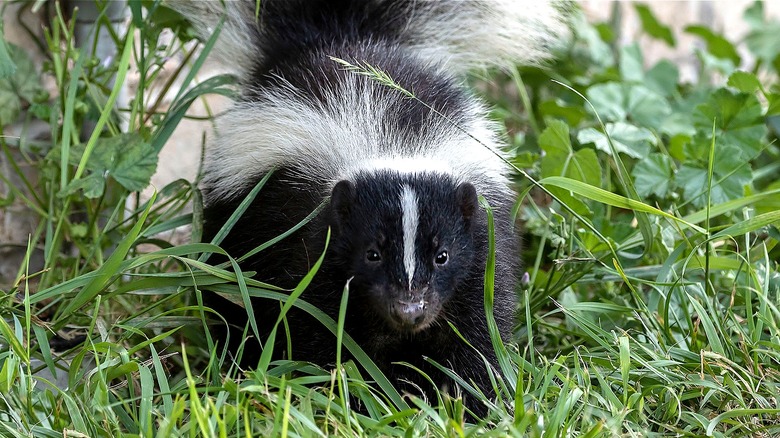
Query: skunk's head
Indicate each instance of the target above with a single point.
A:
(407, 242)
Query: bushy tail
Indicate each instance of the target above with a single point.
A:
(467, 35)
(239, 41)
(459, 35)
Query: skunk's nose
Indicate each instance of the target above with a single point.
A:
(410, 312)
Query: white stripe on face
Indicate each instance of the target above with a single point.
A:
(409, 219)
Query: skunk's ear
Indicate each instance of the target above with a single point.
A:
(341, 200)
(466, 198)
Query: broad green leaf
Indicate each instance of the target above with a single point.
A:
(559, 109)
(716, 43)
(7, 65)
(744, 81)
(730, 160)
(608, 100)
(125, 157)
(652, 26)
(108, 108)
(525, 160)
(585, 167)
(730, 176)
(631, 63)
(92, 185)
(653, 175)
(677, 146)
(754, 15)
(26, 81)
(22, 85)
(712, 63)
(774, 107)
(663, 78)
(693, 181)
(556, 145)
(598, 50)
(629, 139)
(571, 201)
(555, 140)
(162, 15)
(763, 40)
(774, 123)
(680, 123)
(729, 109)
(696, 150)
(100, 159)
(738, 120)
(135, 163)
(560, 160)
(647, 108)
(619, 102)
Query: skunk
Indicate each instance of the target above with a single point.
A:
(402, 161)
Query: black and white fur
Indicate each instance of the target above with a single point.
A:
(403, 180)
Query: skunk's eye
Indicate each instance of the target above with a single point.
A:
(373, 256)
(441, 258)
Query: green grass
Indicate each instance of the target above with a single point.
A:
(650, 213)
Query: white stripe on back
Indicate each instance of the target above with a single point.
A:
(409, 220)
